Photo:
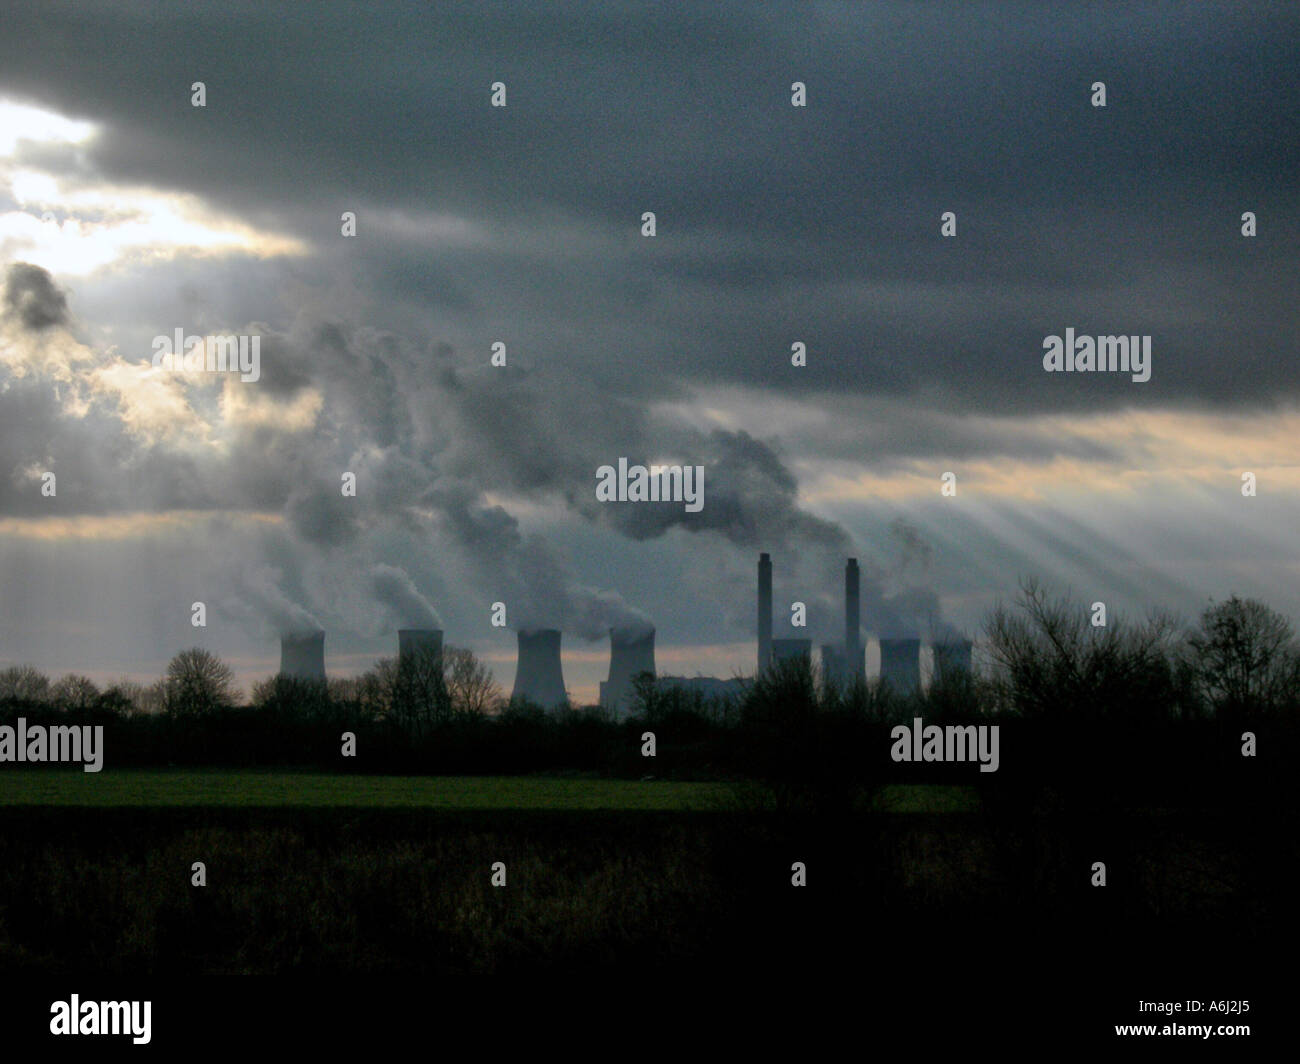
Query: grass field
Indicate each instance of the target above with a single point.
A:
(200, 787)
(311, 874)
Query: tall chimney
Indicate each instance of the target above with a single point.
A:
(900, 664)
(764, 611)
(538, 676)
(302, 655)
(631, 652)
(854, 652)
(413, 641)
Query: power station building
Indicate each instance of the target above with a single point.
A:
(791, 649)
(846, 663)
(539, 674)
(842, 664)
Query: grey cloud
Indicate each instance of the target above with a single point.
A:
(775, 225)
(769, 216)
(32, 297)
(750, 497)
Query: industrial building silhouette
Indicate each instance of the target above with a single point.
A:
(539, 672)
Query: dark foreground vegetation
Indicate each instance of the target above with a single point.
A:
(1167, 755)
(363, 892)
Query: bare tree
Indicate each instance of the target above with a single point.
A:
(374, 689)
(153, 699)
(415, 689)
(23, 683)
(294, 696)
(74, 693)
(197, 683)
(471, 688)
(344, 688)
(1245, 656)
(1049, 659)
(124, 697)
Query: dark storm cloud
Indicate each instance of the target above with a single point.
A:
(32, 297)
(775, 223)
(895, 434)
(321, 514)
(547, 432)
(750, 498)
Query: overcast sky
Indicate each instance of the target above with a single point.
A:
(126, 213)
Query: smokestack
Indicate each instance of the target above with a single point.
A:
(302, 656)
(854, 652)
(764, 611)
(952, 656)
(631, 652)
(538, 676)
(418, 641)
(900, 664)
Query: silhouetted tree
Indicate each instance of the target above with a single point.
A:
(153, 698)
(1049, 660)
(471, 689)
(658, 703)
(1245, 657)
(120, 699)
(126, 697)
(74, 694)
(197, 683)
(954, 693)
(23, 683)
(292, 697)
(415, 689)
(372, 691)
(789, 744)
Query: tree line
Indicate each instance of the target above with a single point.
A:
(1077, 696)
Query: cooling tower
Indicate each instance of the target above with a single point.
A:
(538, 676)
(631, 652)
(855, 658)
(764, 611)
(302, 656)
(788, 649)
(952, 655)
(833, 665)
(900, 664)
(412, 641)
